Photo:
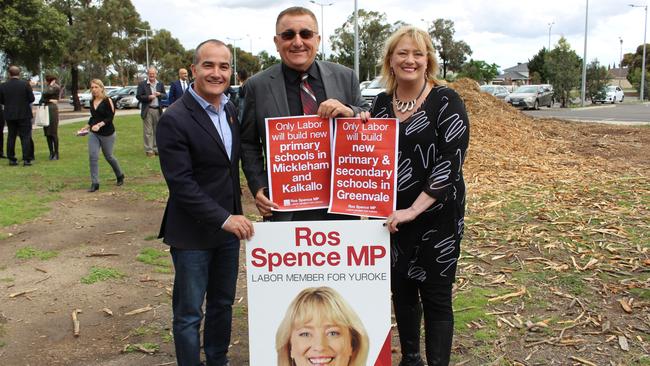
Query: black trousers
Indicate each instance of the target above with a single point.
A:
(20, 128)
(2, 134)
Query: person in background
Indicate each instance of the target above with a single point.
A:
(150, 94)
(102, 134)
(428, 225)
(242, 76)
(298, 86)
(17, 96)
(50, 98)
(179, 86)
(198, 140)
(2, 134)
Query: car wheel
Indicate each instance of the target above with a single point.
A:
(622, 98)
(550, 103)
(536, 105)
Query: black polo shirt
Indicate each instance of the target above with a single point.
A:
(292, 85)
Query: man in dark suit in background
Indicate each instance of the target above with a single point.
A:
(2, 134)
(278, 92)
(198, 141)
(179, 86)
(16, 95)
(150, 94)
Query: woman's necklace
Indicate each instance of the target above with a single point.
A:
(409, 105)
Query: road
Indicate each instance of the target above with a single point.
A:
(622, 114)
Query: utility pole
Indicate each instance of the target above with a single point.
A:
(234, 48)
(322, 26)
(146, 44)
(584, 60)
(550, 25)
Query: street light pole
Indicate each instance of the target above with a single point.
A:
(234, 47)
(550, 25)
(322, 26)
(620, 54)
(356, 39)
(645, 28)
(584, 59)
(146, 43)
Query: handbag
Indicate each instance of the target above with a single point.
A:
(42, 118)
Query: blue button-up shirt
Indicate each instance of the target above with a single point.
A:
(218, 117)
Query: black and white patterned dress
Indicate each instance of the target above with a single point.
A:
(432, 146)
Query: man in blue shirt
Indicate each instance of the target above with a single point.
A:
(198, 143)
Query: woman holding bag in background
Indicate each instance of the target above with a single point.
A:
(50, 98)
(102, 134)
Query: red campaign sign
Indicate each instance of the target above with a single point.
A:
(298, 155)
(364, 168)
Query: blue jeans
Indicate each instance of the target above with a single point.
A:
(209, 274)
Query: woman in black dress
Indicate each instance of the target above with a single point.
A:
(102, 134)
(50, 98)
(428, 225)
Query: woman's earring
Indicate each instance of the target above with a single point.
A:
(391, 71)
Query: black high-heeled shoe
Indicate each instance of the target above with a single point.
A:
(93, 187)
(120, 180)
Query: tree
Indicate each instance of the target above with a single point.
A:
(452, 53)
(166, 53)
(479, 70)
(80, 46)
(267, 60)
(634, 62)
(537, 67)
(32, 32)
(565, 69)
(118, 29)
(373, 31)
(597, 79)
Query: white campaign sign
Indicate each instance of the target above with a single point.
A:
(350, 257)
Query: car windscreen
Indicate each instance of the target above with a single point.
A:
(375, 84)
(526, 89)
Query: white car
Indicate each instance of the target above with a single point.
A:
(611, 94)
(370, 92)
(84, 99)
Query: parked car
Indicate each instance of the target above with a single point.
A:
(498, 91)
(370, 92)
(85, 102)
(121, 93)
(83, 96)
(128, 101)
(610, 94)
(37, 97)
(364, 84)
(531, 96)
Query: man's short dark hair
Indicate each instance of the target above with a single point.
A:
(242, 74)
(14, 71)
(195, 58)
(296, 10)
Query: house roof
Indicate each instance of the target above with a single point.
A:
(520, 67)
(513, 75)
(619, 72)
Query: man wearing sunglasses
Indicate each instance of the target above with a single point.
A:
(279, 91)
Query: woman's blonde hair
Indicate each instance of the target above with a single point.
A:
(324, 303)
(423, 41)
(101, 85)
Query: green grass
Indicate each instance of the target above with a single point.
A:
(27, 192)
(98, 274)
(154, 257)
(471, 306)
(167, 337)
(142, 331)
(29, 253)
(7, 279)
(149, 347)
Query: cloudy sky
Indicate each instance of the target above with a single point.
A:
(504, 32)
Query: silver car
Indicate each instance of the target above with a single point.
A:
(531, 96)
(370, 92)
(497, 90)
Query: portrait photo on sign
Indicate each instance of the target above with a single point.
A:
(320, 327)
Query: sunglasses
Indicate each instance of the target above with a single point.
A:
(291, 34)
